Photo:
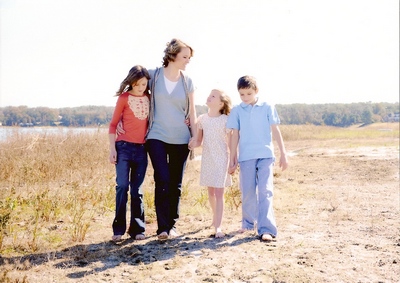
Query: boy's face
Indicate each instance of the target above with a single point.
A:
(248, 95)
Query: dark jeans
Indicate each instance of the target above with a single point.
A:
(131, 169)
(168, 161)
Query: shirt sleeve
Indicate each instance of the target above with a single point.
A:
(273, 116)
(233, 119)
(200, 122)
(119, 108)
(226, 128)
(190, 85)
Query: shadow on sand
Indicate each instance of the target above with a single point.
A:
(107, 255)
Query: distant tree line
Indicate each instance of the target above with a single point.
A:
(339, 115)
(43, 116)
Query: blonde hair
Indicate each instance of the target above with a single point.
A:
(226, 100)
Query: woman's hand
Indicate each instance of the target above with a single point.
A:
(120, 128)
(193, 143)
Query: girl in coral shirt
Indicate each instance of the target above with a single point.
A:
(127, 151)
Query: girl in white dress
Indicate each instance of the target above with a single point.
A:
(214, 135)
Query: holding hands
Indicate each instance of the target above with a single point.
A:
(233, 166)
(193, 143)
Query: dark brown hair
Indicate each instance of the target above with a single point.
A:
(247, 82)
(135, 73)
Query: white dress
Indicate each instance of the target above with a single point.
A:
(215, 154)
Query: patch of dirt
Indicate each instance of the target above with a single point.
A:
(337, 211)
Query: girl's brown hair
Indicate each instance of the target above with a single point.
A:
(173, 48)
(135, 73)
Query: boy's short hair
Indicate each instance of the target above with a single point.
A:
(247, 82)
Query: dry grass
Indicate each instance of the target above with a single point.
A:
(314, 133)
(57, 189)
(53, 187)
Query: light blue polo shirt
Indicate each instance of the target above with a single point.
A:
(254, 125)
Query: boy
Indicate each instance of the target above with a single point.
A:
(254, 123)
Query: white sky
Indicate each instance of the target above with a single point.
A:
(67, 53)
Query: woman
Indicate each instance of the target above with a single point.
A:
(172, 102)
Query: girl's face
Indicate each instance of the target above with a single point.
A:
(183, 58)
(214, 100)
(248, 95)
(139, 88)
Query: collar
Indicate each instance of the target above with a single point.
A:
(244, 105)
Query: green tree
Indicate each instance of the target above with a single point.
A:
(366, 116)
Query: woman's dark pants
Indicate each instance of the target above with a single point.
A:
(168, 161)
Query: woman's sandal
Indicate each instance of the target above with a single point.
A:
(140, 237)
(116, 238)
(163, 236)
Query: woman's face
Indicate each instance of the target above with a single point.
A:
(183, 58)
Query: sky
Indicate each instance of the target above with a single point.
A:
(69, 53)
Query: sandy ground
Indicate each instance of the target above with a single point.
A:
(337, 210)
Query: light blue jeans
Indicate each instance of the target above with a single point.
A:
(256, 185)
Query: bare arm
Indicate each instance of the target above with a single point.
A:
(112, 131)
(233, 144)
(192, 115)
(276, 134)
(113, 151)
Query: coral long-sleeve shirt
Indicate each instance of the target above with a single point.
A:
(134, 111)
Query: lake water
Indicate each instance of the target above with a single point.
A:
(6, 132)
